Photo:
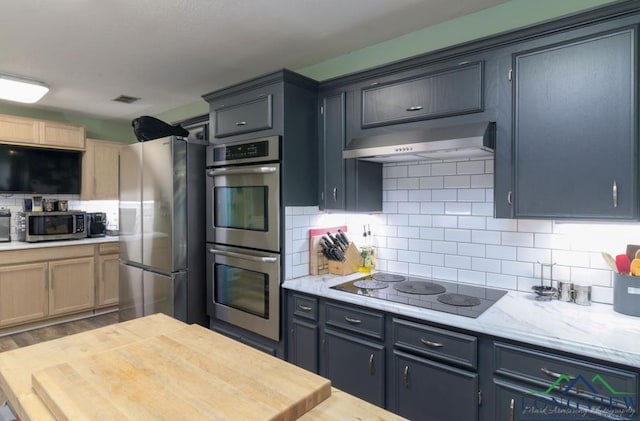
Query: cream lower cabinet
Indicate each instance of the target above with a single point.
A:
(70, 285)
(108, 275)
(24, 293)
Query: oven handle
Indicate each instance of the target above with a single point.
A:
(244, 256)
(237, 171)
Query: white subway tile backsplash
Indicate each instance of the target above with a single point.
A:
(457, 208)
(501, 252)
(445, 221)
(519, 239)
(457, 235)
(457, 181)
(408, 207)
(437, 221)
(471, 195)
(431, 182)
(484, 180)
(444, 195)
(470, 167)
(409, 183)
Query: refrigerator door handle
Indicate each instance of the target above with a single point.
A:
(244, 256)
(240, 171)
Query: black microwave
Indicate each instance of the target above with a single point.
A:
(45, 226)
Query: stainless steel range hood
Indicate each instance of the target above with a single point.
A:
(475, 140)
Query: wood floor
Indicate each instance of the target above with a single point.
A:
(35, 336)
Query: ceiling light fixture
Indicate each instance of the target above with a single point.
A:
(17, 89)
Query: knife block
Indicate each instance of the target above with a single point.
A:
(350, 264)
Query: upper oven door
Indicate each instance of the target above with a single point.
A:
(243, 206)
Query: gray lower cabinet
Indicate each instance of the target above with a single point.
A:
(354, 365)
(529, 384)
(575, 123)
(431, 391)
(302, 346)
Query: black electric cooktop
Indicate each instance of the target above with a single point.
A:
(463, 300)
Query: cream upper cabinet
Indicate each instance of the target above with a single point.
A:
(41, 133)
(23, 293)
(62, 135)
(72, 286)
(100, 170)
(19, 129)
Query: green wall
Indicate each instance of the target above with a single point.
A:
(503, 17)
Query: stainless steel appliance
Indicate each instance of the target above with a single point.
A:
(5, 225)
(461, 299)
(96, 224)
(244, 200)
(243, 235)
(246, 285)
(161, 229)
(47, 226)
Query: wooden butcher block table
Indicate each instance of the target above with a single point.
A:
(157, 367)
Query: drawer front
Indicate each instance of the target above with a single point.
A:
(306, 307)
(451, 92)
(365, 322)
(109, 248)
(246, 117)
(548, 373)
(451, 347)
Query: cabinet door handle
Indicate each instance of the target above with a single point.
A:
(354, 321)
(511, 410)
(406, 376)
(615, 193)
(335, 194)
(415, 108)
(371, 368)
(556, 375)
(304, 308)
(241, 123)
(430, 343)
(509, 198)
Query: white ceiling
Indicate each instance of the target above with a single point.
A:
(170, 52)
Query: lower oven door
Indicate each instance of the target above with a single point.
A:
(245, 288)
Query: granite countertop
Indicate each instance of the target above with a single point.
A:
(595, 331)
(21, 245)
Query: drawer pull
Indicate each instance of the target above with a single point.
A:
(511, 409)
(304, 308)
(415, 108)
(371, 368)
(354, 321)
(431, 344)
(241, 123)
(406, 376)
(556, 375)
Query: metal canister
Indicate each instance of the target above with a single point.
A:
(565, 291)
(582, 294)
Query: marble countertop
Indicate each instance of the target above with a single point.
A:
(21, 245)
(594, 331)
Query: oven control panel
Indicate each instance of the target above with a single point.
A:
(251, 151)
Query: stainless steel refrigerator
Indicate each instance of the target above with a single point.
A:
(162, 230)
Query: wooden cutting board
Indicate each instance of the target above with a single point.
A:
(191, 374)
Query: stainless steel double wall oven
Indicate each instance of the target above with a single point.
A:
(243, 234)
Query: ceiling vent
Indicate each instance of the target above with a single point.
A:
(126, 99)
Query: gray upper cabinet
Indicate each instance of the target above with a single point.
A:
(443, 93)
(349, 184)
(575, 118)
(251, 116)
